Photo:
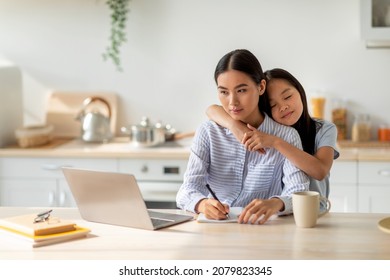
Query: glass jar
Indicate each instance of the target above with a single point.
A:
(361, 129)
(339, 118)
(384, 133)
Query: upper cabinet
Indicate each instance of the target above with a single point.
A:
(375, 23)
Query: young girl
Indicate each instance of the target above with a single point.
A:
(262, 184)
(286, 103)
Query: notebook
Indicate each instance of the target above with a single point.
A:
(115, 199)
(233, 217)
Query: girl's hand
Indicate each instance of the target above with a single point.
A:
(213, 209)
(260, 210)
(255, 140)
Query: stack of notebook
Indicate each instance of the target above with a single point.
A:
(42, 232)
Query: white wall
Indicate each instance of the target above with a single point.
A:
(174, 45)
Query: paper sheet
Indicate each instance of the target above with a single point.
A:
(233, 217)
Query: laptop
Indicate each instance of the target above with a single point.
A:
(115, 199)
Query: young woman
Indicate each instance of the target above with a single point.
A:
(286, 103)
(262, 184)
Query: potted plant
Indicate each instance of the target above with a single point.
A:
(119, 11)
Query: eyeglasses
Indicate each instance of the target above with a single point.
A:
(41, 217)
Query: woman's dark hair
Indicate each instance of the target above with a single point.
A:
(305, 126)
(244, 61)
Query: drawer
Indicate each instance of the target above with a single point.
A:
(344, 172)
(28, 192)
(155, 170)
(377, 173)
(49, 167)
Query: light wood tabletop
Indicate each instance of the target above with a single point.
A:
(336, 236)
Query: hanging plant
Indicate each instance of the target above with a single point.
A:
(119, 10)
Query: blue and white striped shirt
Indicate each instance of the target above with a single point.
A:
(237, 175)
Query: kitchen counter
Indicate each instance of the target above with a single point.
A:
(118, 148)
(121, 148)
(348, 236)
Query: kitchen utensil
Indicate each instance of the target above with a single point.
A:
(145, 134)
(63, 106)
(95, 125)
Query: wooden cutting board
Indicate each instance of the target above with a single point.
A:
(63, 107)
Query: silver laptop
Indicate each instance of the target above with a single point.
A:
(115, 198)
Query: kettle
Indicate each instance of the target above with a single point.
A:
(95, 126)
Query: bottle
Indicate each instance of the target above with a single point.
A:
(361, 129)
(317, 102)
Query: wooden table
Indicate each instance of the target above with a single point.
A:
(337, 236)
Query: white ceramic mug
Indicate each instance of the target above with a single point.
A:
(306, 208)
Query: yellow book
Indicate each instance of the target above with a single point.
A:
(26, 224)
(43, 240)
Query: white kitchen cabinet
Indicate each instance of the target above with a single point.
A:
(40, 181)
(374, 187)
(344, 186)
(27, 192)
(159, 180)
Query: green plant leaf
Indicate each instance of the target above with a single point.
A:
(119, 10)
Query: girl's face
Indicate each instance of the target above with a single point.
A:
(285, 101)
(239, 96)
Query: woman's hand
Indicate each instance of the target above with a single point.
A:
(255, 140)
(213, 209)
(260, 210)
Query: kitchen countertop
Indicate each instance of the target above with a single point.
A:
(353, 236)
(120, 147)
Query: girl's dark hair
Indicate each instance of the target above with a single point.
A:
(305, 126)
(244, 61)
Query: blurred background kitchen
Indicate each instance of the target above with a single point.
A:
(52, 70)
(173, 46)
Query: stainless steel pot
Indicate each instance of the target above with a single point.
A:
(145, 134)
(95, 126)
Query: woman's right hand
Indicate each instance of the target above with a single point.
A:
(213, 209)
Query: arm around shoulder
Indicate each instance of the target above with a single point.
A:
(217, 114)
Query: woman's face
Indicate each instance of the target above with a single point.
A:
(239, 96)
(285, 101)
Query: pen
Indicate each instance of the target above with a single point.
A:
(215, 197)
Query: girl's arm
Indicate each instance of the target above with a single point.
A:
(316, 166)
(218, 114)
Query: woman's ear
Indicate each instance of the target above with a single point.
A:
(261, 87)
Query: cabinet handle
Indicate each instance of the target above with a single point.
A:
(62, 198)
(385, 173)
(53, 167)
(51, 198)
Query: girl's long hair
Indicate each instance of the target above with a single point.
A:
(306, 126)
